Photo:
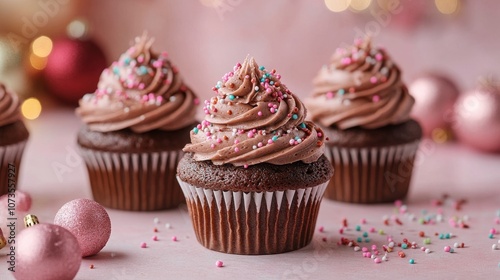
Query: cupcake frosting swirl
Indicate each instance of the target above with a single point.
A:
(254, 118)
(9, 106)
(141, 91)
(361, 87)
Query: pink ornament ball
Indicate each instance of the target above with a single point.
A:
(477, 119)
(46, 252)
(88, 221)
(435, 95)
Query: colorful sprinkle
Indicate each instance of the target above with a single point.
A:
(411, 261)
(219, 264)
(373, 80)
(447, 249)
(155, 238)
(174, 238)
(91, 266)
(144, 245)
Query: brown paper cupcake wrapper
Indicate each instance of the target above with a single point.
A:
(135, 181)
(253, 223)
(10, 154)
(371, 175)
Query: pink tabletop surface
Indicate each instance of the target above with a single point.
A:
(441, 169)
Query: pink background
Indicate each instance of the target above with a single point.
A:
(298, 37)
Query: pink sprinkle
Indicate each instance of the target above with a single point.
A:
(374, 247)
(196, 101)
(269, 141)
(363, 221)
(447, 249)
(219, 264)
(208, 133)
(375, 98)
(372, 229)
(321, 229)
(259, 113)
(269, 90)
(236, 141)
(346, 61)
(144, 245)
(320, 134)
(212, 146)
(158, 63)
(272, 110)
(329, 95)
(378, 57)
(368, 254)
(358, 42)
(291, 141)
(364, 249)
(377, 260)
(174, 238)
(245, 166)
(250, 134)
(497, 221)
(341, 231)
(259, 144)
(422, 248)
(236, 149)
(373, 80)
(155, 238)
(269, 105)
(493, 231)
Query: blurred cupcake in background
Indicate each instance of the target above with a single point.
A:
(14, 136)
(364, 108)
(135, 126)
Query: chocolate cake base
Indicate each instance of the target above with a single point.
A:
(136, 172)
(372, 166)
(12, 143)
(255, 210)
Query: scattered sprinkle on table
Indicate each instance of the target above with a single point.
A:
(219, 264)
(144, 245)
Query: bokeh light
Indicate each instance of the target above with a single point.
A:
(360, 5)
(31, 108)
(447, 7)
(337, 5)
(77, 29)
(42, 46)
(37, 62)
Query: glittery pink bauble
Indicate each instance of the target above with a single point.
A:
(88, 221)
(23, 201)
(434, 96)
(477, 119)
(46, 252)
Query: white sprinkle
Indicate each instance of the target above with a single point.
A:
(439, 218)
(126, 109)
(427, 251)
(167, 225)
(357, 248)
(256, 88)
(494, 247)
(156, 220)
(391, 244)
(171, 98)
(456, 245)
(346, 102)
(113, 254)
(384, 258)
(373, 256)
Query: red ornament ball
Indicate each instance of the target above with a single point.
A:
(73, 69)
(435, 95)
(88, 221)
(46, 252)
(477, 118)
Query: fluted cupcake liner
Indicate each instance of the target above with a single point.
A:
(253, 223)
(10, 154)
(371, 175)
(134, 181)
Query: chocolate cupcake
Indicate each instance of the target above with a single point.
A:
(364, 108)
(13, 140)
(136, 124)
(255, 173)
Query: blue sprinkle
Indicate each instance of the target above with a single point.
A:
(411, 261)
(404, 246)
(341, 91)
(143, 70)
(441, 236)
(274, 138)
(447, 236)
(271, 82)
(367, 240)
(195, 130)
(359, 239)
(358, 228)
(262, 79)
(365, 234)
(116, 70)
(261, 68)
(297, 138)
(267, 75)
(491, 236)
(302, 125)
(295, 116)
(231, 97)
(127, 60)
